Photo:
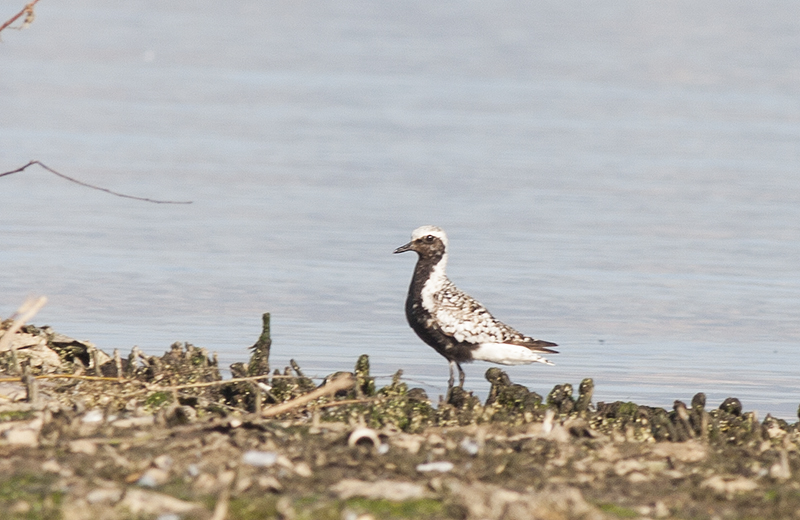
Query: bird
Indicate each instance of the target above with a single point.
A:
(456, 325)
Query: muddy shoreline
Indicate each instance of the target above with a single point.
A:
(89, 434)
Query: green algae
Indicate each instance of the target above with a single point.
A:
(619, 511)
(321, 507)
(42, 500)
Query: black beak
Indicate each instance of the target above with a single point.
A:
(403, 249)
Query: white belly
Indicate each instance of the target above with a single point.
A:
(506, 354)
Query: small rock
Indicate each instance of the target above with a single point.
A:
(435, 440)
(781, 469)
(104, 495)
(22, 437)
(411, 443)
(51, 466)
(729, 486)
(636, 477)
(269, 482)
(689, 451)
(83, 446)
(626, 466)
(205, 484)
(141, 502)
(303, 469)
(397, 491)
(469, 446)
(134, 422)
(243, 484)
(20, 507)
(92, 416)
(442, 467)
(260, 459)
(153, 477)
(163, 462)
(660, 510)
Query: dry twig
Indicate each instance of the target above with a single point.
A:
(342, 382)
(27, 11)
(27, 311)
(345, 402)
(87, 185)
(157, 388)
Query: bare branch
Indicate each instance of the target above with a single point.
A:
(87, 185)
(27, 311)
(28, 11)
(343, 382)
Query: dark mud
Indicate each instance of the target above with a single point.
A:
(85, 434)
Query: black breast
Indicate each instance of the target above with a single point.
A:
(420, 319)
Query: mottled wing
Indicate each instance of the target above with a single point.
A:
(466, 320)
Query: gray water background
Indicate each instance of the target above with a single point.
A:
(621, 177)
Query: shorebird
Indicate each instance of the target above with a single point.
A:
(456, 325)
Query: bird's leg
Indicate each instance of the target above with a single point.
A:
(451, 381)
(461, 376)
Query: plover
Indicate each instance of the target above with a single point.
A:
(456, 325)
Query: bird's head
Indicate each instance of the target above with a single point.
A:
(427, 241)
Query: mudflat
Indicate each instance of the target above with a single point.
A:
(86, 434)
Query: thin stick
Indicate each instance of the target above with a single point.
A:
(68, 376)
(344, 403)
(153, 388)
(202, 385)
(27, 9)
(92, 186)
(30, 384)
(25, 313)
(221, 508)
(343, 382)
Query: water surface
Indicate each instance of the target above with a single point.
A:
(620, 178)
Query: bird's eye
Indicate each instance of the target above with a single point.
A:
(429, 238)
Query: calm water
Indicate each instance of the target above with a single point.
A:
(620, 177)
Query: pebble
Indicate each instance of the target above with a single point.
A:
(51, 466)
(83, 446)
(108, 495)
(134, 422)
(22, 437)
(729, 486)
(269, 482)
(441, 467)
(20, 507)
(469, 446)
(92, 416)
(260, 459)
(303, 469)
(163, 462)
(153, 477)
(394, 490)
(141, 502)
(689, 451)
(205, 483)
